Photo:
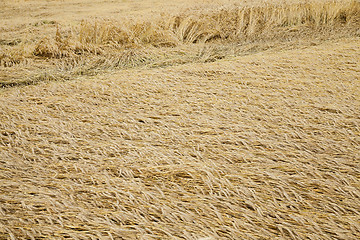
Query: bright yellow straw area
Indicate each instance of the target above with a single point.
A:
(179, 120)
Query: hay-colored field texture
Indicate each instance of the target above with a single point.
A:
(264, 146)
(48, 48)
(219, 120)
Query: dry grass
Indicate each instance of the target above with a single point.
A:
(229, 24)
(216, 31)
(232, 122)
(264, 146)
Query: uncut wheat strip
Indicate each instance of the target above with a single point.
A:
(228, 23)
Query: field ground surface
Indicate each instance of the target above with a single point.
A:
(173, 130)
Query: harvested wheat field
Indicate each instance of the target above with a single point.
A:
(152, 119)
